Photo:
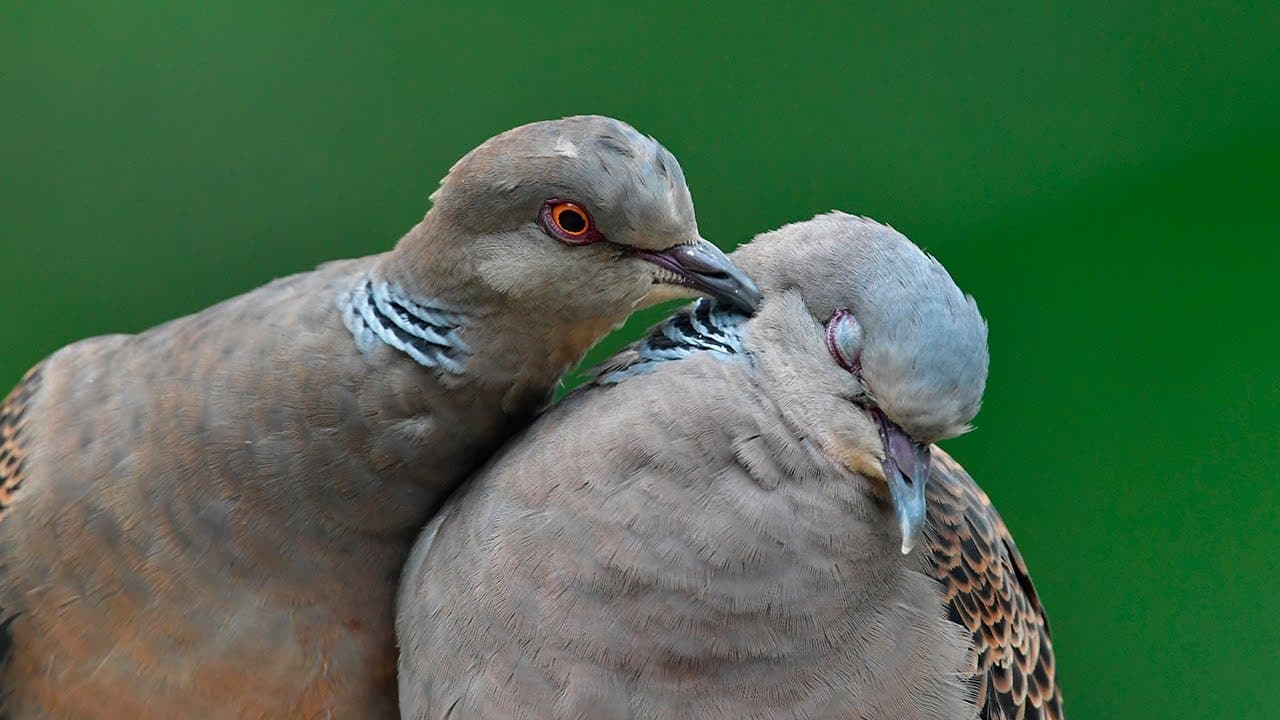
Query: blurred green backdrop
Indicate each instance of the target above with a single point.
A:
(1104, 177)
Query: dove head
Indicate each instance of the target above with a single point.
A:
(869, 345)
(581, 217)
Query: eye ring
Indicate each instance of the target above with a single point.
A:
(844, 340)
(570, 219)
(568, 222)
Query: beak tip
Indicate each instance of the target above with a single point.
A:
(911, 525)
(906, 489)
(909, 540)
(706, 269)
(746, 299)
(752, 297)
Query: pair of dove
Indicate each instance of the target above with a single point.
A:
(210, 518)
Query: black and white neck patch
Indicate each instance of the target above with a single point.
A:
(378, 313)
(704, 327)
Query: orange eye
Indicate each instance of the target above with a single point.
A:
(570, 219)
(568, 222)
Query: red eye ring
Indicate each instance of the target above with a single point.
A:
(844, 340)
(569, 222)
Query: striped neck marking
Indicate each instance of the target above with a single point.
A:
(705, 327)
(378, 313)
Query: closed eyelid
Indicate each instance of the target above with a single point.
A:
(844, 340)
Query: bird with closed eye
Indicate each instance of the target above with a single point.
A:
(744, 518)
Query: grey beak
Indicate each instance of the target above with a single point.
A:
(906, 470)
(703, 267)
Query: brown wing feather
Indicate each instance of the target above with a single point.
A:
(989, 592)
(13, 420)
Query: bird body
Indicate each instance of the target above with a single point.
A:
(207, 519)
(644, 558)
(711, 529)
(129, 583)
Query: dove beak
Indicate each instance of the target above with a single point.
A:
(906, 470)
(701, 266)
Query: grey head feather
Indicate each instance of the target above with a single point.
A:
(635, 184)
(490, 231)
(924, 359)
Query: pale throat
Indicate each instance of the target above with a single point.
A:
(578, 337)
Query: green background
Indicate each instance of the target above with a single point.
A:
(1103, 176)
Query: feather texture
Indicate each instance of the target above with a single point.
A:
(704, 326)
(989, 591)
(662, 546)
(425, 331)
(13, 416)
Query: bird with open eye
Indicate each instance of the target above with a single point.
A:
(207, 519)
(744, 518)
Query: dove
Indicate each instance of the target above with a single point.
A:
(208, 519)
(744, 518)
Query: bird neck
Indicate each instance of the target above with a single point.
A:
(433, 260)
(702, 327)
(450, 368)
(432, 268)
(426, 330)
